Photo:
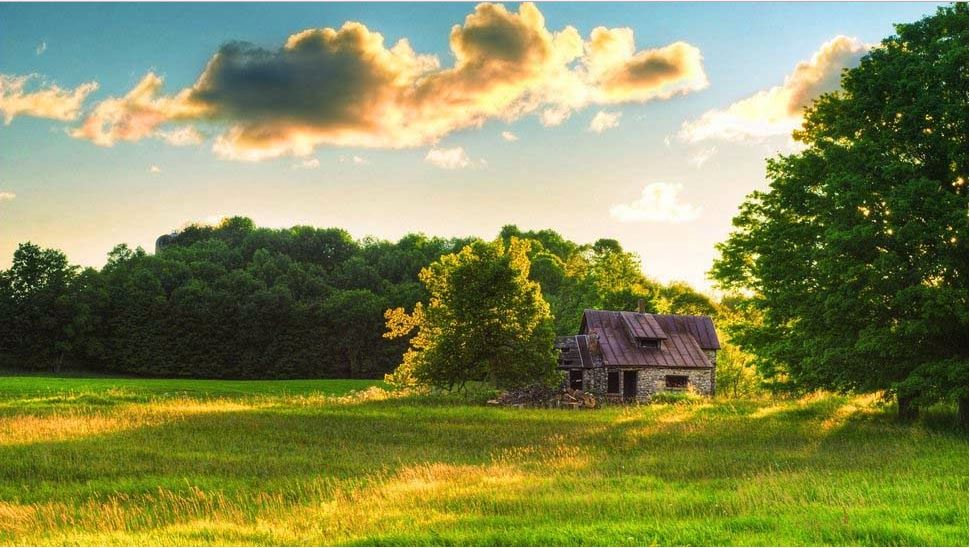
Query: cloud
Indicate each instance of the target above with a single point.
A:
(7, 196)
(658, 203)
(778, 111)
(154, 169)
(47, 101)
(509, 136)
(346, 87)
(309, 163)
(180, 137)
(137, 115)
(448, 158)
(701, 157)
(604, 121)
(41, 48)
(623, 74)
(356, 160)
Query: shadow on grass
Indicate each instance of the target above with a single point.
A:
(612, 466)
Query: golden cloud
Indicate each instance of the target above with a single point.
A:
(345, 87)
(136, 115)
(50, 102)
(778, 110)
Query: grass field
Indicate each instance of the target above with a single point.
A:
(121, 461)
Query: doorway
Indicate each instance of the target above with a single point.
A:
(630, 384)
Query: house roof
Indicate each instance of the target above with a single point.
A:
(684, 338)
(574, 350)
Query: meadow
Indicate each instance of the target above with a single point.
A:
(107, 461)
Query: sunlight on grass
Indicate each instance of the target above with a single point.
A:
(374, 467)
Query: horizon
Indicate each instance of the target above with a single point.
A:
(646, 135)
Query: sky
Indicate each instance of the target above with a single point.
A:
(644, 122)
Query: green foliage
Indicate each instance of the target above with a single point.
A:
(856, 259)
(38, 308)
(226, 301)
(238, 301)
(96, 462)
(485, 321)
(676, 397)
(575, 277)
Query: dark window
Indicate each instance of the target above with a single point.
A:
(576, 379)
(567, 362)
(613, 382)
(649, 343)
(676, 382)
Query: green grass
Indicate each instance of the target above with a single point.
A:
(127, 461)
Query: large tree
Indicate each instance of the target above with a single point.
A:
(856, 258)
(37, 308)
(485, 320)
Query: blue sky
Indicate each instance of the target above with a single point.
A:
(664, 175)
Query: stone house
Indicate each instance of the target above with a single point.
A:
(630, 356)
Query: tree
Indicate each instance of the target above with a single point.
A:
(485, 320)
(856, 258)
(37, 308)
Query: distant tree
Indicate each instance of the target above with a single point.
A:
(37, 308)
(856, 258)
(485, 320)
(681, 298)
(354, 321)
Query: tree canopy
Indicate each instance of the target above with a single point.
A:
(855, 259)
(238, 301)
(485, 321)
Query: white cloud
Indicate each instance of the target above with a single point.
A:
(448, 158)
(604, 121)
(554, 116)
(509, 136)
(154, 169)
(41, 48)
(660, 203)
(702, 156)
(180, 137)
(310, 163)
(355, 159)
(7, 196)
(778, 111)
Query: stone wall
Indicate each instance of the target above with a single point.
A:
(650, 380)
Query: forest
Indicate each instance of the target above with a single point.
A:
(237, 301)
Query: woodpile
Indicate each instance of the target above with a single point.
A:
(540, 396)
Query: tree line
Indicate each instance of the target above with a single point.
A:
(239, 301)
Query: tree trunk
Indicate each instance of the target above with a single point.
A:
(907, 408)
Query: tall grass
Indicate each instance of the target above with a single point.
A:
(122, 464)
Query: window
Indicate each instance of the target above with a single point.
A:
(613, 382)
(648, 343)
(676, 382)
(576, 379)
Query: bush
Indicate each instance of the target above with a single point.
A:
(688, 396)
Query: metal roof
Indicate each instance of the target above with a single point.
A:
(684, 338)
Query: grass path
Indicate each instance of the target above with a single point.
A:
(102, 461)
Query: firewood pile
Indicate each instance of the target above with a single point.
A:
(540, 396)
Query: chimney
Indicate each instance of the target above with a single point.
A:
(640, 306)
